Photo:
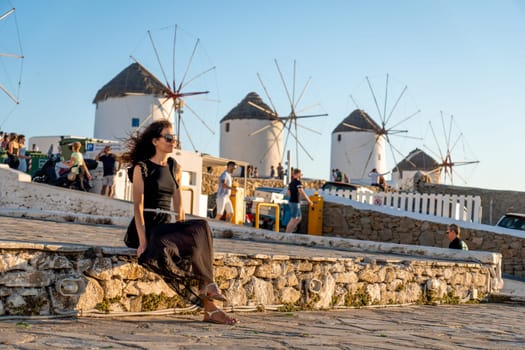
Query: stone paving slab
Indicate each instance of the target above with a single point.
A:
(486, 326)
(43, 231)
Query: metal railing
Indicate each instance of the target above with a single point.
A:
(271, 205)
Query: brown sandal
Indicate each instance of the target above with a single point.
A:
(212, 294)
(208, 317)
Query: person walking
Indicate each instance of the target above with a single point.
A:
(223, 200)
(296, 191)
(182, 251)
(453, 232)
(280, 171)
(109, 161)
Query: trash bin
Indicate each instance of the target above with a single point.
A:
(315, 215)
(237, 199)
(3, 156)
(37, 161)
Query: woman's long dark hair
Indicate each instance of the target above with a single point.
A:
(140, 146)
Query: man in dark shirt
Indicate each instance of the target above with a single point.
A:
(453, 232)
(295, 191)
(108, 161)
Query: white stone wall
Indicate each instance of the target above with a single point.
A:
(18, 193)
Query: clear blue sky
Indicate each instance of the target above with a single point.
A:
(465, 58)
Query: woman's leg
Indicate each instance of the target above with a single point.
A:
(215, 315)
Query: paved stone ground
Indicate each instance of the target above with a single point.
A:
(484, 326)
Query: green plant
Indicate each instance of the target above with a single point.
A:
(103, 306)
(288, 307)
(451, 298)
(359, 298)
(32, 306)
(152, 302)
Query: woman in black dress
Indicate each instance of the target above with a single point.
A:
(179, 251)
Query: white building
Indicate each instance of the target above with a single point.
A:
(417, 161)
(124, 104)
(358, 147)
(251, 135)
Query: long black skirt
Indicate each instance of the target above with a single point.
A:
(182, 253)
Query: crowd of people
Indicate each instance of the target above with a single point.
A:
(276, 172)
(339, 176)
(14, 145)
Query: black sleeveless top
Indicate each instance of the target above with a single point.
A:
(159, 185)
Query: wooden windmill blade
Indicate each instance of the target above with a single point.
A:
(270, 113)
(267, 94)
(262, 109)
(289, 123)
(448, 154)
(392, 114)
(180, 88)
(369, 157)
(273, 143)
(309, 129)
(14, 64)
(305, 116)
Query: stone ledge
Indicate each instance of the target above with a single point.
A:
(47, 279)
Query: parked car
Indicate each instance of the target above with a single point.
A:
(513, 221)
(333, 185)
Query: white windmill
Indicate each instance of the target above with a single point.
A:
(239, 123)
(288, 125)
(138, 97)
(359, 144)
(452, 152)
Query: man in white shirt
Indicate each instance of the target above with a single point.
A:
(223, 194)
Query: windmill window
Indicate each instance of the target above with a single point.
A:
(135, 122)
(379, 156)
(339, 137)
(227, 127)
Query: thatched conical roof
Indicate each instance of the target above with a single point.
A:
(360, 119)
(133, 79)
(246, 111)
(417, 160)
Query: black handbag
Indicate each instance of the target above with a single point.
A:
(131, 238)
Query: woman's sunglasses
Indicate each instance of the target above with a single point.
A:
(169, 137)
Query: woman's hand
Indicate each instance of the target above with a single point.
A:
(182, 215)
(141, 250)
